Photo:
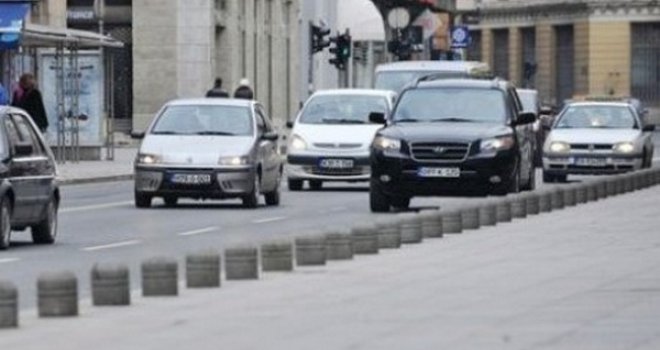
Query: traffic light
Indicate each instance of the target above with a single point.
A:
(318, 38)
(341, 50)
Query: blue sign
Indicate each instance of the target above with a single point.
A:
(12, 15)
(460, 37)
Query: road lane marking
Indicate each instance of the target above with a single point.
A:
(200, 231)
(111, 245)
(9, 260)
(95, 207)
(267, 220)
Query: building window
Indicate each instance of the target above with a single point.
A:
(528, 65)
(474, 49)
(501, 53)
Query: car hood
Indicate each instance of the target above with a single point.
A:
(594, 135)
(449, 131)
(335, 134)
(195, 150)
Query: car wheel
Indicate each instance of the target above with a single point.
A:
(142, 200)
(170, 201)
(510, 186)
(378, 200)
(400, 203)
(46, 230)
(295, 185)
(251, 200)
(5, 223)
(315, 185)
(548, 178)
(273, 198)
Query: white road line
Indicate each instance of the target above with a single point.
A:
(111, 245)
(95, 207)
(200, 231)
(8, 260)
(267, 220)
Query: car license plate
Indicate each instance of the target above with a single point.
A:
(191, 179)
(439, 172)
(336, 163)
(590, 161)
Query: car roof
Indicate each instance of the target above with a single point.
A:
(354, 92)
(449, 66)
(464, 83)
(211, 101)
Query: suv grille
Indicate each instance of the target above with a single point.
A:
(440, 151)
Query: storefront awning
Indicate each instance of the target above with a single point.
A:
(35, 35)
(12, 16)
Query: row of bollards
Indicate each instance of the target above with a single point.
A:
(57, 293)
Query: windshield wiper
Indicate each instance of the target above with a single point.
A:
(342, 121)
(453, 119)
(215, 133)
(407, 120)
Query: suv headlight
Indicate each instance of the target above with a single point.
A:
(234, 161)
(297, 143)
(624, 147)
(559, 147)
(496, 144)
(148, 159)
(383, 143)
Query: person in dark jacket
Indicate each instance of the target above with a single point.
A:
(244, 91)
(31, 101)
(217, 90)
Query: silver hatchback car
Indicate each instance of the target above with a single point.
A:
(209, 149)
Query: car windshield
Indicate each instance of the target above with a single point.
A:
(451, 104)
(342, 109)
(529, 101)
(204, 120)
(597, 117)
(397, 80)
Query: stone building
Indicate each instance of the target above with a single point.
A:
(581, 47)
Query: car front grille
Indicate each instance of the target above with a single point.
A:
(440, 151)
(355, 171)
(589, 146)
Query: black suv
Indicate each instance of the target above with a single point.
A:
(29, 196)
(448, 137)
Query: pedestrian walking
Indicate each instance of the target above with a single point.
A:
(217, 90)
(4, 96)
(244, 90)
(30, 100)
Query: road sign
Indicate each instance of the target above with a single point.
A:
(460, 37)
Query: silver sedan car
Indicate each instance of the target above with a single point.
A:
(209, 149)
(597, 138)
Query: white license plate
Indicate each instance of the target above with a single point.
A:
(336, 163)
(590, 161)
(439, 172)
(191, 179)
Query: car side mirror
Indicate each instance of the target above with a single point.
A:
(289, 124)
(23, 149)
(137, 135)
(270, 136)
(377, 118)
(649, 128)
(525, 118)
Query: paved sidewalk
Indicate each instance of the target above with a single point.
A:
(121, 168)
(582, 278)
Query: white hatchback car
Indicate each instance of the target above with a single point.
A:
(331, 136)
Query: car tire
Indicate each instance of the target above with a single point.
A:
(171, 201)
(251, 200)
(45, 231)
(295, 185)
(378, 200)
(5, 223)
(315, 185)
(400, 203)
(510, 186)
(142, 200)
(273, 198)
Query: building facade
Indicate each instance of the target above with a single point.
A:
(568, 48)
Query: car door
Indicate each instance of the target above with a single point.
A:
(267, 150)
(524, 135)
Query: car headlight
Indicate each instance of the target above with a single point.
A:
(386, 144)
(624, 147)
(234, 161)
(559, 147)
(496, 144)
(148, 159)
(297, 143)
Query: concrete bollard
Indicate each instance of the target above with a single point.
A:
(488, 214)
(8, 305)
(410, 226)
(557, 199)
(365, 239)
(581, 194)
(545, 202)
(635, 181)
(160, 277)
(610, 185)
(532, 204)
(518, 207)
(628, 183)
(620, 184)
(452, 222)
(203, 270)
(503, 210)
(592, 193)
(569, 196)
(277, 256)
(646, 179)
(655, 176)
(601, 189)
(57, 294)
(110, 285)
(310, 251)
(389, 233)
(470, 218)
(339, 246)
(431, 224)
(241, 263)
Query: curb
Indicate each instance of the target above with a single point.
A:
(94, 180)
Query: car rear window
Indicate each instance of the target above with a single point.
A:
(204, 119)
